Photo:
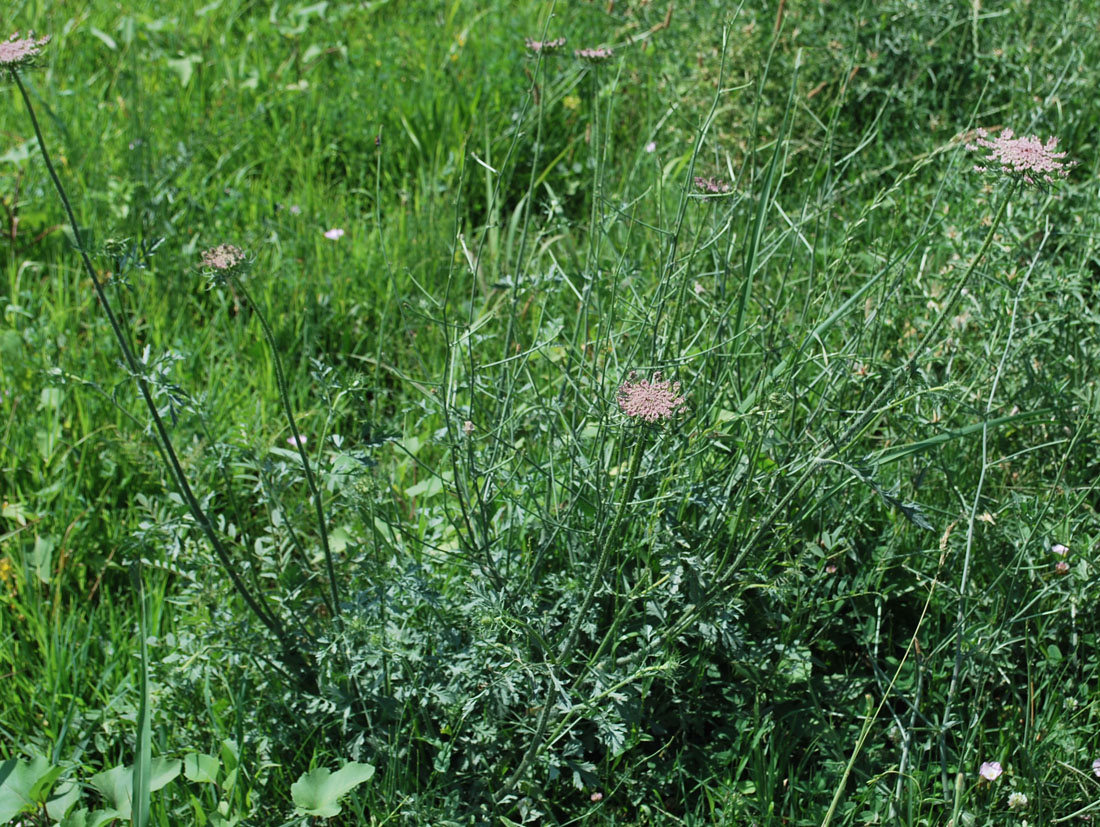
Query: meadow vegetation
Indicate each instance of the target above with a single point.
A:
(424, 419)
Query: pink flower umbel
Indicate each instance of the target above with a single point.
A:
(1024, 159)
(1096, 767)
(990, 770)
(650, 401)
(711, 186)
(17, 51)
(224, 257)
(545, 47)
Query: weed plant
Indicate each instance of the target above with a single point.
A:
(412, 417)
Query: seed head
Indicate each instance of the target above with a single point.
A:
(650, 401)
(545, 47)
(1024, 159)
(711, 186)
(598, 55)
(17, 51)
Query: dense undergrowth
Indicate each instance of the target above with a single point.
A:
(853, 572)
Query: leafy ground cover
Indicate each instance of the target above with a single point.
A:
(666, 425)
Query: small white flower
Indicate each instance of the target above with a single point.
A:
(334, 234)
(1017, 801)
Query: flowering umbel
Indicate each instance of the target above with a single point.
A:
(218, 263)
(1024, 159)
(222, 257)
(650, 401)
(19, 51)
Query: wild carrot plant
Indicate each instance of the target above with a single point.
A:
(685, 434)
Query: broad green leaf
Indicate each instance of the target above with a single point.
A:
(318, 791)
(162, 772)
(62, 800)
(116, 785)
(20, 781)
(82, 818)
(200, 767)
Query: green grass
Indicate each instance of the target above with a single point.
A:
(829, 593)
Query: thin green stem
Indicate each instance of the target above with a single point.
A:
(871, 414)
(292, 656)
(284, 395)
(605, 544)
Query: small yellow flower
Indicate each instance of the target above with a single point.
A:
(570, 102)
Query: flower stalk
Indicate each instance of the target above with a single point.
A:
(293, 658)
(299, 443)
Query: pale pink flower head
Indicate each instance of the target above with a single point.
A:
(650, 401)
(711, 186)
(545, 47)
(296, 443)
(335, 234)
(19, 51)
(223, 257)
(468, 427)
(221, 263)
(651, 146)
(597, 55)
(1096, 767)
(1023, 159)
(990, 770)
(830, 569)
(1062, 567)
(597, 796)
(1060, 549)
